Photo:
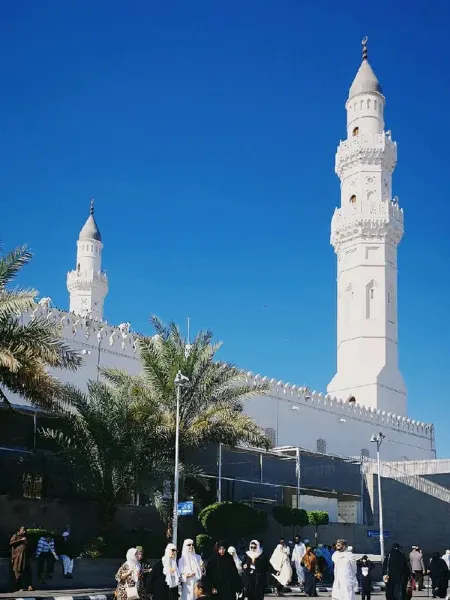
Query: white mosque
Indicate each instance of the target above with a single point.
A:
(367, 395)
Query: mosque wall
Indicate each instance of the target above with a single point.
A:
(291, 415)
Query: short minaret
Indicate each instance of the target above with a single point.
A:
(365, 233)
(87, 284)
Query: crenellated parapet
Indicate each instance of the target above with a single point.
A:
(87, 332)
(303, 396)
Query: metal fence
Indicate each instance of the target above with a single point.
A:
(245, 474)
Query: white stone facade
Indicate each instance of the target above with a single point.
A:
(365, 232)
(365, 235)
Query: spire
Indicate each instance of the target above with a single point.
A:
(90, 229)
(365, 81)
(364, 45)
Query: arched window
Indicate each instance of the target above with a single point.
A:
(353, 199)
(365, 453)
(78, 267)
(368, 103)
(375, 104)
(371, 300)
(271, 434)
(321, 446)
(355, 131)
(351, 400)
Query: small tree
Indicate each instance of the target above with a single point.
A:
(316, 519)
(295, 518)
(232, 519)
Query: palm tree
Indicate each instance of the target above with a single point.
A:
(108, 452)
(211, 406)
(28, 350)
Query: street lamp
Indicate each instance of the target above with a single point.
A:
(377, 438)
(180, 381)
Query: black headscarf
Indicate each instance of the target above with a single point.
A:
(222, 570)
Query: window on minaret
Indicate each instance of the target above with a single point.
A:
(391, 305)
(353, 199)
(371, 300)
(355, 131)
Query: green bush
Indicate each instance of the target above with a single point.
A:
(94, 549)
(295, 518)
(316, 519)
(115, 543)
(232, 520)
(204, 545)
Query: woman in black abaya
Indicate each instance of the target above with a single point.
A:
(222, 575)
(255, 567)
(439, 576)
(396, 574)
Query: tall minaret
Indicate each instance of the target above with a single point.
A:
(365, 233)
(87, 284)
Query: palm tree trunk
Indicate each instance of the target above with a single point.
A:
(107, 511)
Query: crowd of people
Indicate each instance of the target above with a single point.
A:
(228, 576)
(232, 575)
(47, 553)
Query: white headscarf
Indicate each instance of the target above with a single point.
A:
(133, 564)
(279, 557)
(237, 562)
(170, 568)
(253, 554)
(190, 562)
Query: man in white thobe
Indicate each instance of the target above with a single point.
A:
(344, 573)
(298, 553)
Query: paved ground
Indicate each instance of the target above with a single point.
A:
(107, 594)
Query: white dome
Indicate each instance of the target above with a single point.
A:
(365, 81)
(90, 229)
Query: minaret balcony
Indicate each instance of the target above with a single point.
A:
(83, 279)
(376, 149)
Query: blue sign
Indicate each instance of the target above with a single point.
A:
(375, 533)
(185, 509)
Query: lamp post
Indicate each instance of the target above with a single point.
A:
(180, 381)
(377, 438)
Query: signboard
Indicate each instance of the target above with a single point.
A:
(375, 533)
(348, 512)
(185, 509)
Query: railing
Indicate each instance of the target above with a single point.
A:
(393, 471)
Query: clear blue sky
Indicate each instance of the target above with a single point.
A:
(206, 132)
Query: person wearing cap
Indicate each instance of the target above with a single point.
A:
(145, 566)
(67, 554)
(417, 566)
(344, 573)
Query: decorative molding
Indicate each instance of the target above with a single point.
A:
(376, 229)
(366, 149)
